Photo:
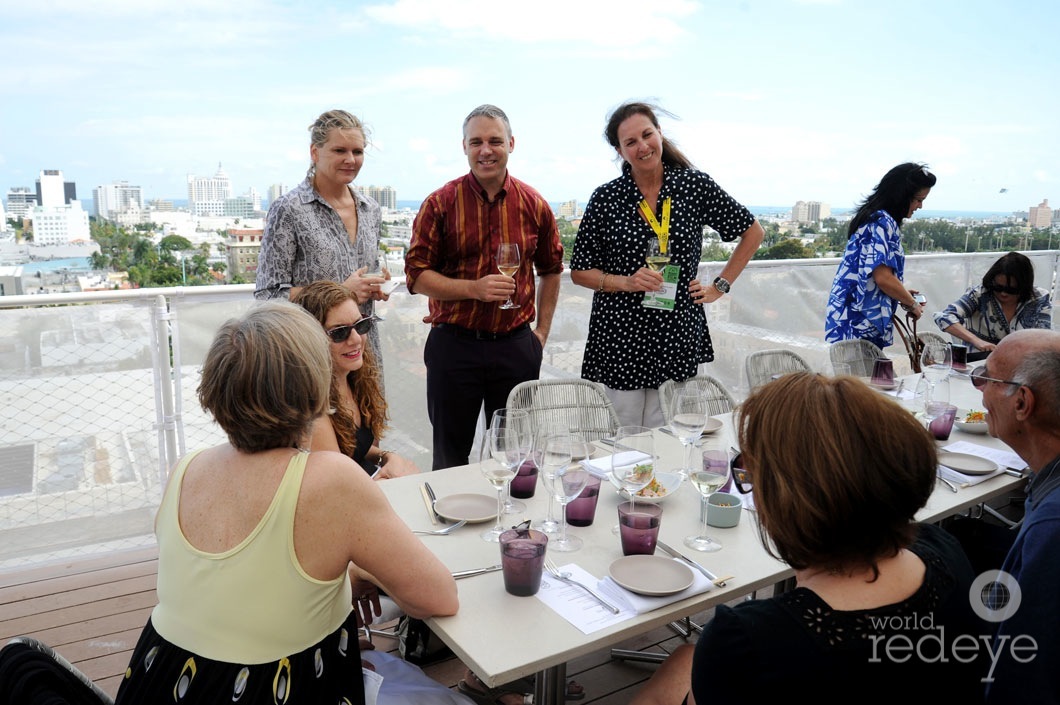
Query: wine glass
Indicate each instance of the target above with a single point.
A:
(508, 449)
(520, 420)
(707, 480)
(508, 261)
(688, 418)
(936, 361)
(633, 462)
(564, 481)
(549, 524)
(656, 259)
(936, 400)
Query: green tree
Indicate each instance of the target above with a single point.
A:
(175, 242)
(791, 248)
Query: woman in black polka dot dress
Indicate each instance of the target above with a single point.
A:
(631, 348)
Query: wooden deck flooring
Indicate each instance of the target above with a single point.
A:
(91, 611)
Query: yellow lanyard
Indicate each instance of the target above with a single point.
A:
(661, 231)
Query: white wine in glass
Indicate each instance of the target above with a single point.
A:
(656, 259)
(508, 260)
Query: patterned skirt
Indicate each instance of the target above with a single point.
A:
(327, 672)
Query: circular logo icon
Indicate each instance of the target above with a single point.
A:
(995, 595)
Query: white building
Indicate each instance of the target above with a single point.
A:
(275, 191)
(207, 195)
(60, 225)
(20, 201)
(52, 190)
(117, 198)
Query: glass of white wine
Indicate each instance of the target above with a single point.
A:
(688, 418)
(509, 447)
(508, 260)
(656, 259)
(707, 480)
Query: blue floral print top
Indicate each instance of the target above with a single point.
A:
(857, 307)
(979, 312)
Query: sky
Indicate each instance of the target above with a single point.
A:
(779, 100)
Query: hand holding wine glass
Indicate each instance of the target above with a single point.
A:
(656, 259)
(508, 261)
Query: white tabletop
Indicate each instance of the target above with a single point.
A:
(503, 637)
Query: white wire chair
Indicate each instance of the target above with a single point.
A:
(859, 355)
(928, 337)
(762, 366)
(719, 400)
(577, 404)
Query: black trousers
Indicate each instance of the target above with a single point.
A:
(465, 373)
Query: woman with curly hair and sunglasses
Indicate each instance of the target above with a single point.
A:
(358, 414)
(1005, 301)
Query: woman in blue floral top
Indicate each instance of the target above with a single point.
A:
(1007, 300)
(868, 285)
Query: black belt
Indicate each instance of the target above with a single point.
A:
(481, 334)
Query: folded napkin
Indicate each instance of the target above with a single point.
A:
(601, 467)
(639, 604)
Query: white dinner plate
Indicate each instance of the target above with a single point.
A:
(651, 575)
(713, 424)
(472, 508)
(670, 482)
(968, 464)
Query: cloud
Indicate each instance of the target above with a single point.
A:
(607, 23)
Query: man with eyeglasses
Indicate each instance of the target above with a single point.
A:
(1021, 393)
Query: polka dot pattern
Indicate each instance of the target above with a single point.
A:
(629, 346)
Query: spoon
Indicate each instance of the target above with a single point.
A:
(439, 532)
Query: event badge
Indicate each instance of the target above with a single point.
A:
(666, 297)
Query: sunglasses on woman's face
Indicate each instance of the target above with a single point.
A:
(342, 333)
(1002, 289)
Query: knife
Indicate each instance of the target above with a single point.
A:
(474, 571)
(428, 501)
(720, 582)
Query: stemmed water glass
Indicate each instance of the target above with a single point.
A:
(707, 480)
(508, 261)
(564, 480)
(633, 462)
(520, 420)
(509, 446)
(688, 418)
(537, 456)
(936, 361)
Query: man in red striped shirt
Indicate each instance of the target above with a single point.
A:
(478, 351)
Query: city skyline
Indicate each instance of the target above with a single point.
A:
(779, 100)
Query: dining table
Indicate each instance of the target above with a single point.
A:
(502, 637)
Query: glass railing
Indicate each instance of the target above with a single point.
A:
(98, 389)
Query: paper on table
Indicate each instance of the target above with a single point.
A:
(583, 611)
(601, 467)
(962, 480)
(577, 606)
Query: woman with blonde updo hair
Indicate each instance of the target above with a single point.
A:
(358, 415)
(324, 228)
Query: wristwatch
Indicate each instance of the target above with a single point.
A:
(722, 285)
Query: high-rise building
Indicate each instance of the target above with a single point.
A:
(207, 195)
(1041, 216)
(53, 191)
(385, 196)
(60, 225)
(116, 198)
(275, 191)
(20, 201)
(810, 212)
(568, 209)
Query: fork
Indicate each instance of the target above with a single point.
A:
(439, 532)
(563, 575)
